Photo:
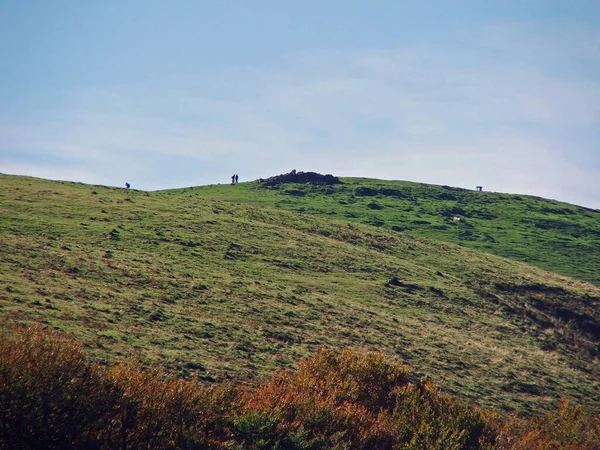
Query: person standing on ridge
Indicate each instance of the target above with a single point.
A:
(236, 178)
(233, 179)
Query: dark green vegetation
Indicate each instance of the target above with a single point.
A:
(215, 290)
(52, 398)
(552, 235)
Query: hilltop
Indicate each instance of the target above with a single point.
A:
(552, 235)
(215, 289)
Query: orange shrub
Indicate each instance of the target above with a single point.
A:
(154, 411)
(364, 401)
(570, 427)
(51, 398)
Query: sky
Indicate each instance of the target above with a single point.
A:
(499, 93)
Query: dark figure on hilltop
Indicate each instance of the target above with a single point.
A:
(127, 185)
(236, 178)
(233, 179)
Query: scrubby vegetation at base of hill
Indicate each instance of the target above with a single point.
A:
(51, 397)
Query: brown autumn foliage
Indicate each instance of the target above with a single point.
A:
(51, 397)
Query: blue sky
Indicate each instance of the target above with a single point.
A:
(504, 94)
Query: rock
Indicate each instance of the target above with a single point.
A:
(301, 177)
(395, 281)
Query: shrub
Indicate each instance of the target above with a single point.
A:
(49, 396)
(154, 411)
(570, 427)
(52, 398)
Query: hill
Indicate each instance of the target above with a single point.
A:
(216, 290)
(552, 235)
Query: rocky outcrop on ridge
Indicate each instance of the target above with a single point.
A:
(300, 177)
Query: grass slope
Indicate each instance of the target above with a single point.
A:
(216, 290)
(552, 235)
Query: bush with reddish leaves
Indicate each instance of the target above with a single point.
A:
(51, 397)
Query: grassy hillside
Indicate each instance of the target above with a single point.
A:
(218, 290)
(552, 235)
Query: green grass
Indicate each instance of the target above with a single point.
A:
(214, 290)
(552, 235)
